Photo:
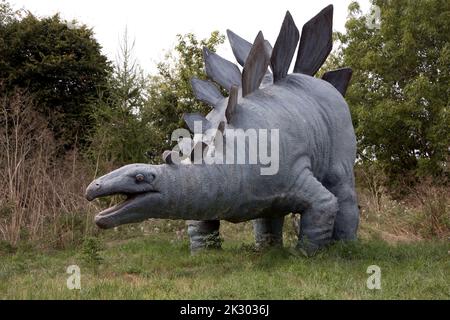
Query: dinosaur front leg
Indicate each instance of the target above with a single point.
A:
(317, 220)
(268, 232)
(204, 235)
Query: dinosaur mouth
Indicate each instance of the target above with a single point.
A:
(109, 217)
(129, 199)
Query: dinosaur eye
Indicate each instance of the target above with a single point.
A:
(139, 177)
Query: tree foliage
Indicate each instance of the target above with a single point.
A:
(59, 64)
(121, 136)
(399, 93)
(7, 14)
(170, 93)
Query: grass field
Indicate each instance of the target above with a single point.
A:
(159, 266)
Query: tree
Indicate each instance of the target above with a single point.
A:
(7, 14)
(121, 136)
(59, 64)
(399, 95)
(128, 81)
(170, 93)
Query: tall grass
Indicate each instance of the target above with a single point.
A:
(41, 192)
(423, 212)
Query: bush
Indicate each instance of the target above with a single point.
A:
(91, 251)
(399, 94)
(61, 66)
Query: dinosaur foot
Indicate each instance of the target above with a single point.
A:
(204, 235)
(266, 241)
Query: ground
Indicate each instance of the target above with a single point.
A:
(158, 265)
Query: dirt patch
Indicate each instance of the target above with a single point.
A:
(403, 238)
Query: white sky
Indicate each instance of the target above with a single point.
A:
(154, 24)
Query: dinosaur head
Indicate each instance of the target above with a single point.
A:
(140, 183)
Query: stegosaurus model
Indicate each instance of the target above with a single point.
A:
(317, 148)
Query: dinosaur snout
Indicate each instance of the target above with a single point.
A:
(92, 190)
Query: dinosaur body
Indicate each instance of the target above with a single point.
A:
(316, 148)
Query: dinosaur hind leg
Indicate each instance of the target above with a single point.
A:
(204, 235)
(268, 232)
(347, 218)
(317, 219)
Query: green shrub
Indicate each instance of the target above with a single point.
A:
(91, 251)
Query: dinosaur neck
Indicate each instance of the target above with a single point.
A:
(203, 192)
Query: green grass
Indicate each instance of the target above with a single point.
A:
(158, 267)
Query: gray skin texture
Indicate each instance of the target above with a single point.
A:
(317, 152)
